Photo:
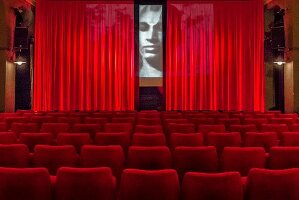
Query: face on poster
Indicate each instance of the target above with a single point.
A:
(150, 41)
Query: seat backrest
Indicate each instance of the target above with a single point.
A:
(182, 139)
(181, 128)
(149, 185)
(265, 139)
(148, 129)
(284, 157)
(264, 184)
(75, 139)
(14, 155)
(92, 129)
(140, 139)
(121, 138)
(243, 128)
(24, 128)
(25, 184)
(221, 140)
(149, 157)
(202, 186)
(196, 159)
(242, 159)
(32, 139)
(3, 127)
(55, 128)
(118, 127)
(103, 156)
(278, 128)
(85, 183)
(8, 138)
(54, 157)
(206, 128)
(149, 121)
(290, 139)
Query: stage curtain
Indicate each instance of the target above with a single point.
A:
(84, 55)
(214, 55)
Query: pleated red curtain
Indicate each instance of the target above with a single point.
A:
(84, 55)
(214, 55)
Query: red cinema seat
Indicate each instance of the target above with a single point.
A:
(284, 157)
(265, 139)
(148, 115)
(149, 158)
(121, 138)
(118, 127)
(85, 183)
(24, 128)
(55, 128)
(75, 139)
(182, 139)
(288, 115)
(10, 120)
(215, 186)
(32, 139)
(294, 127)
(196, 159)
(130, 120)
(103, 156)
(278, 128)
(54, 157)
(69, 120)
(14, 155)
(206, 128)
(221, 140)
(148, 129)
(8, 138)
(202, 121)
(149, 121)
(290, 139)
(242, 159)
(181, 128)
(3, 127)
(288, 121)
(265, 115)
(42, 119)
(175, 121)
(264, 184)
(257, 121)
(92, 129)
(140, 139)
(149, 185)
(243, 128)
(228, 121)
(171, 115)
(96, 120)
(25, 184)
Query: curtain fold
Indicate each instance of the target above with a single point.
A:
(84, 56)
(215, 55)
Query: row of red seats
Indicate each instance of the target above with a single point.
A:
(183, 159)
(220, 140)
(99, 183)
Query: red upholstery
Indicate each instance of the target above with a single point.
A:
(278, 128)
(221, 140)
(3, 127)
(220, 186)
(149, 158)
(175, 121)
(96, 120)
(284, 157)
(54, 157)
(10, 120)
(290, 139)
(42, 119)
(69, 120)
(228, 121)
(205, 129)
(202, 121)
(148, 129)
(294, 127)
(75, 139)
(149, 121)
(103, 156)
(182, 139)
(140, 139)
(149, 185)
(55, 128)
(32, 139)
(149, 115)
(118, 127)
(25, 184)
(287, 121)
(121, 138)
(92, 129)
(199, 159)
(8, 138)
(24, 128)
(130, 120)
(263, 184)
(288, 115)
(242, 129)
(181, 128)
(265, 139)
(242, 159)
(257, 121)
(85, 183)
(14, 155)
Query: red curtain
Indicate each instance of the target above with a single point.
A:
(84, 55)
(214, 55)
